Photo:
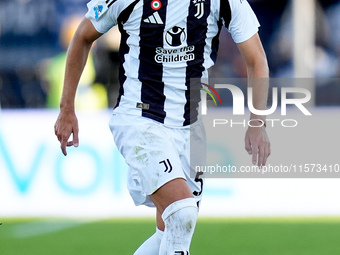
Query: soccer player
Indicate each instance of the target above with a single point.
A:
(165, 43)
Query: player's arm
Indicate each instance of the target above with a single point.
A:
(77, 55)
(256, 141)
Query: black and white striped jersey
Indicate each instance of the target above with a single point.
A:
(164, 44)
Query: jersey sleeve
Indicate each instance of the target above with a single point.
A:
(244, 23)
(101, 14)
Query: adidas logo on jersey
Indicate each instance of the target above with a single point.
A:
(154, 19)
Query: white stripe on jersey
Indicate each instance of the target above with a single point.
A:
(132, 86)
(212, 31)
(175, 92)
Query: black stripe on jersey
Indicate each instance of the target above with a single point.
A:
(124, 48)
(197, 29)
(216, 42)
(110, 2)
(151, 72)
(225, 12)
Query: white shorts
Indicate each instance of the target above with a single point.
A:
(157, 154)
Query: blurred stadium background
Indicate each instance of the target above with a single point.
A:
(51, 204)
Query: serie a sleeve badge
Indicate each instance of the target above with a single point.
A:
(97, 8)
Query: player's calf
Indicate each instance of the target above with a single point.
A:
(180, 220)
(151, 245)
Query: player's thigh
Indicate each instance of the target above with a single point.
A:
(172, 191)
(193, 158)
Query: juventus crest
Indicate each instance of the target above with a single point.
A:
(200, 8)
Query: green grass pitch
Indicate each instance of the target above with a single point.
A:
(256, 236)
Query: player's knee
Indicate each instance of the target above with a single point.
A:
(181, 214)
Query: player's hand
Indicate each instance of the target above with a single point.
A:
(257, 144)
(67, 124)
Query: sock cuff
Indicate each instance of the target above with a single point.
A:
(178, 205)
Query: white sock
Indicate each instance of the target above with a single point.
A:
(151, 245)
(180, 221)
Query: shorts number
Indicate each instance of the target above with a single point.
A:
(200, 180)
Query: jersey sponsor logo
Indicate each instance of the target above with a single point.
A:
(175, 36)
(156, 5)
(200, 8)
(183, 54)
(154, 19)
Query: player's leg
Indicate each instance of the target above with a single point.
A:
(156, 172)
(176, 216)
(178, 210)
(159, 220)
(181, 193)
(151, 245)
